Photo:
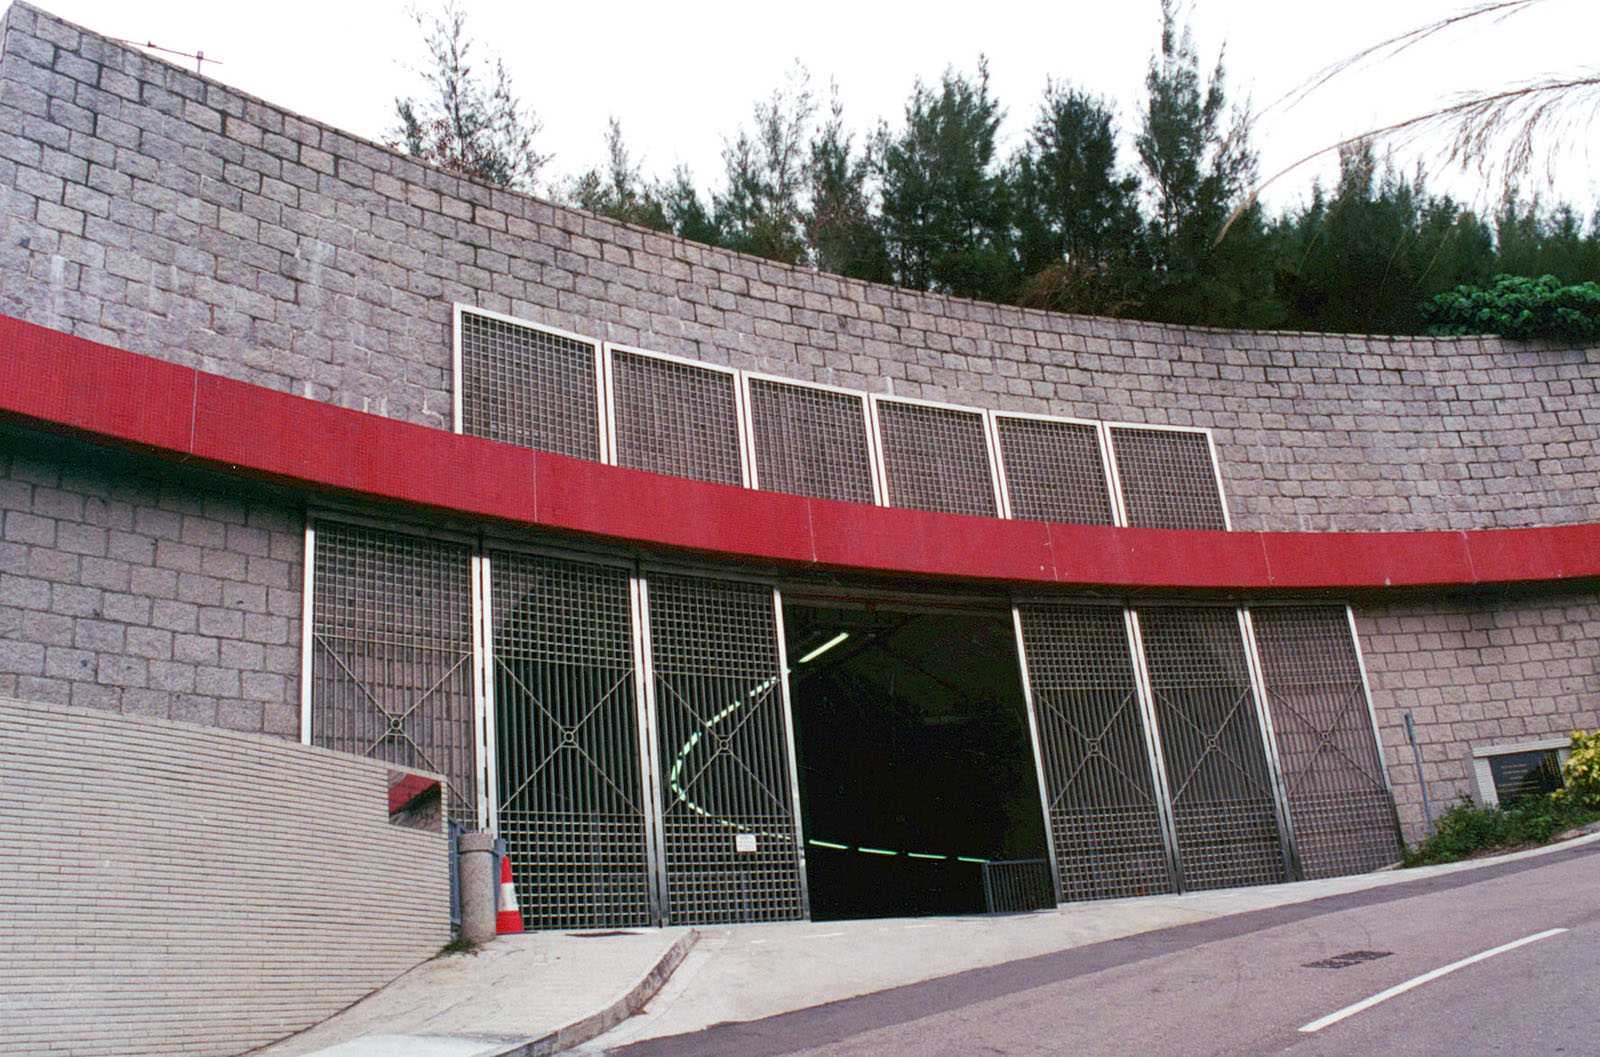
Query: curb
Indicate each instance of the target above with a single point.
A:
(620, 1009)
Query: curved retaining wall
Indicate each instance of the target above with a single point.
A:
(204, 892)
(164, 213)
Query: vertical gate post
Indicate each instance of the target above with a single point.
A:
(789, 752)
(1153, 748)
(1269, 738)
(1038, 764)
(649, 748)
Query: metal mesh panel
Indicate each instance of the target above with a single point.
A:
(1167, 479)
(392, 651)
(1013, 886)
(527, 386)
(566, 723)
(810, 441)
(935, 458)
(1103, 812)
(675, 418)
(728, 813)
(1053, 471)
(1339, 806)
(1222, 805)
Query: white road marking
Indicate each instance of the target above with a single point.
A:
(823, 935)
(1418, 981)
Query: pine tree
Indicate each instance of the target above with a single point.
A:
(759, 209)
(465, 121)
(1198, 166)
(1076, 212)
(840, 228)
(618, 191)
(944, 212)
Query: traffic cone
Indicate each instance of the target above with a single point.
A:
(509, 920)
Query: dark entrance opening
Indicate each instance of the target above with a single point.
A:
(915, 762)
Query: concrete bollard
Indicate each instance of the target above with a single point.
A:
(479, 882)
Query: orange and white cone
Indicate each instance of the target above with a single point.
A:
(509, 920)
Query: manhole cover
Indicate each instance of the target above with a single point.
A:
(1347, 959)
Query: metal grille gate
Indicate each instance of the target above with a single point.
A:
(1337, 797)
(1053, 470)
(675, 418)
(935, 458)
(1223, 809)
(810, 441)
(1168, 478)
(392, 654)
(1105, 816)
(570, 794)
(526, 385)
(729, 833)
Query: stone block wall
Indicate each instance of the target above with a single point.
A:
(153, 209)
(174, 890)
(1476, 672)
(124, 591)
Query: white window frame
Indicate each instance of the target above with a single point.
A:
(874, 469)
(460, 309)
(1211, 450)
(609, 418)
(984, 418)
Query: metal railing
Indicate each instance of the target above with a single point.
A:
(1012, 886)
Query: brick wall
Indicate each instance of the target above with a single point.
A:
(153, 209)
(125, 591)
(1475, 672)
(174, 890)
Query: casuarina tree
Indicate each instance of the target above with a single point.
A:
(468, 119)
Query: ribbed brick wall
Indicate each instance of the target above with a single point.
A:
(174, 890)
(155, 210)
(157, 597)
(1474, 673)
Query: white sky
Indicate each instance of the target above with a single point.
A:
(682, 76)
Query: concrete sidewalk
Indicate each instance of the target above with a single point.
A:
(542, 993)
(521, 996)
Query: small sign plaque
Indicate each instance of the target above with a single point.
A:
(744, 842)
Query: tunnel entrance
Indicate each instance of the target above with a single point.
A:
(915, 762)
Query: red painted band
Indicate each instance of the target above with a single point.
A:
(54, 381)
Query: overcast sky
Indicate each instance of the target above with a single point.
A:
(683, 76)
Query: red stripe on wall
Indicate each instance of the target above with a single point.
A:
(54, 381)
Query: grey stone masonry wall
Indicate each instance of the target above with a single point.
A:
(146, 596)
(1474, 673)
(150, 208)
(172, 890)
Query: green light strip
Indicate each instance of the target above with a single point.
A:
(886, 851)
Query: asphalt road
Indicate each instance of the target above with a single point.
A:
(1245, 984)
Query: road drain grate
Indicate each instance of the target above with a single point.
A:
(1347, 959)
(602, 935)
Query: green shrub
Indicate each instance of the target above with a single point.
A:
(1582, 770)
(1465, 829)
(1517, 306)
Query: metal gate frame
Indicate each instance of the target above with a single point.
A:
(1154, 756)
(1269, 735)
(648, 732)
(308, 641)
(1153, 747)
(649, 718)
(1038, 760)
(1259, 674)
